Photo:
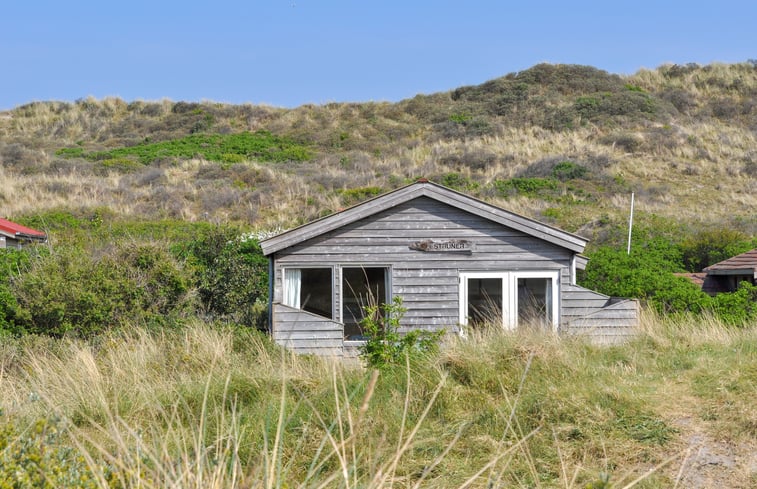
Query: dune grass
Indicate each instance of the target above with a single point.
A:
(214, 407)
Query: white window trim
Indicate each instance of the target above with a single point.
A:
(509, 294)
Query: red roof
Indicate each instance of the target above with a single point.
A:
(745, 261)
(11, 228)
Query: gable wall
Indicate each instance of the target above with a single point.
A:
(427, 281)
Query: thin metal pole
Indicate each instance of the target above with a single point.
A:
(630, 226)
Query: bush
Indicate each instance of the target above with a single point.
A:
(626, 141)
(39, 456)
(647, 274)
(458, 181)
(711, 246)
(70, 292)
(737, 308)
(232, 276)
(567, 170)
(12, 262)
(354, 195)
(162, 284)
(223, 148)
(385, 345)
(525, 186)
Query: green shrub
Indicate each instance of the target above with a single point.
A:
(12, 263)
(40, 457)
(385, 345)
(525, 186)
(647, 274)
(708, 247)
(567, 170)
(625, 103)
(71, 292)
(232, 276)
(458, 181)
(737, 308)
(359, 194)
(70, 152)
(162, 285)
(460, 118)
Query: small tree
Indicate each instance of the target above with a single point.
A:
(385, 345)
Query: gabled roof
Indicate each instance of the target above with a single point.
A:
(743, 264)
(17, 231)
(423, 188)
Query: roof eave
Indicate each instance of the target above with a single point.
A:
(32, 237)
(733, 271)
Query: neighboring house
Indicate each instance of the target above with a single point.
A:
(14, 235)
(725, 276)
(454, 260)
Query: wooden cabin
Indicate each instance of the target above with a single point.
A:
(14, 235)
(455, 261)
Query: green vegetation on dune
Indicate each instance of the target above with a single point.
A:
(659, 133)
(222, 148)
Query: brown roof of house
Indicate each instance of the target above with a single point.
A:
(695, 278)
(745, 262)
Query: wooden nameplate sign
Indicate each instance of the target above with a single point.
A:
(443, 246)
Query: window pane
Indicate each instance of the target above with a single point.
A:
(315, 291)
(309, 289)
(535, 302)
(361, 287)
(485, 301)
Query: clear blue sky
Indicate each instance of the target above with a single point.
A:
(291, 52)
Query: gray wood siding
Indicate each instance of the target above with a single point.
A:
(426, 281)
(603, 319)
(429, 191)
(304, 332)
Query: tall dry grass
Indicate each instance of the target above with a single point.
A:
(208, 407)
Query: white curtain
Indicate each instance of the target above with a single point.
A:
(292, 287)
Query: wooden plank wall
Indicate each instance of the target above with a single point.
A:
(604, 319)
(304, 332)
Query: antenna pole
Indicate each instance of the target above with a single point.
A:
(630, 226)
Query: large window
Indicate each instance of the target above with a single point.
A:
(361, 287)
(310, 289)
(512, 299)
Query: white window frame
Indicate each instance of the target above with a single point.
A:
(509, 294)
